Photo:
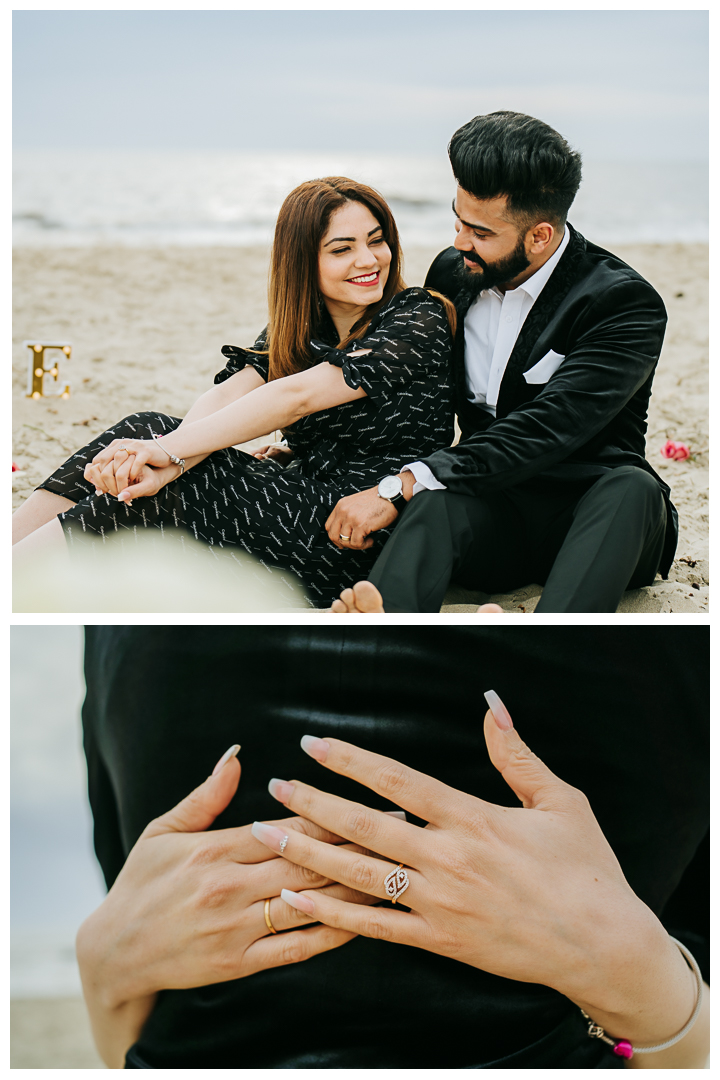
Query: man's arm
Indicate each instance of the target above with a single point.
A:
(609, 361)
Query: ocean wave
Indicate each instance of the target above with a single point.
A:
(172, 198)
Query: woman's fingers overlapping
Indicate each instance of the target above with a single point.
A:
(108, 478)
(350, 867)
(269, 878)
(121, 468)
(140, 457)
(277, 950)
(244, 849)
(284, 916)
(378, 831)
(417, 792)
(406, 928)
(106, 455)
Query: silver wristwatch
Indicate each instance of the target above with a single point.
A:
(391, 488)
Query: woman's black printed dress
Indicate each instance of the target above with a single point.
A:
(278, 514)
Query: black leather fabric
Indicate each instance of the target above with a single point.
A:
(591, 415)
(620, 712)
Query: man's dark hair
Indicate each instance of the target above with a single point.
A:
(508, 153)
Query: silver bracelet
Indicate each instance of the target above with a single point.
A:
(175, 460)
(623, 1047)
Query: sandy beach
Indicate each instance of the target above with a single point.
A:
(146, 327)
(51, 1033)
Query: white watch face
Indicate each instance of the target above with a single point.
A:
(390, 487)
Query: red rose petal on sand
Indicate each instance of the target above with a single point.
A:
(675, 451)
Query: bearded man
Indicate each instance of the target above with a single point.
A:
(553, 364)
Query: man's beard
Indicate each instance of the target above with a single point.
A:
(491, 274)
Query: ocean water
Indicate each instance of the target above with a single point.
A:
(78, 198)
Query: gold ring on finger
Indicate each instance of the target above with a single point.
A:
(268, 920)
(346, 538)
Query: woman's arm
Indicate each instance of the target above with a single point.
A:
(114, 1028)
(208, 404)
(532, 893)
(690, 1053)
(114, 480)
(641, 989)
(223, 394)
(270, 407)
(187, 909)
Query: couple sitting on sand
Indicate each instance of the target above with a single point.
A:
(544, 346)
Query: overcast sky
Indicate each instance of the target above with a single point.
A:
(618, 85)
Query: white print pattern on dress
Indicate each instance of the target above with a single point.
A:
(233, 499)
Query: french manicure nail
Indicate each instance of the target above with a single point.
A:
(316, 748)
(300, 903)
(396, 813)
(271, 837)
(502, 716)
(281, 790)
(231, 753)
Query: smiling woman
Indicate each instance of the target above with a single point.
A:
(342, 260)
(353, 367)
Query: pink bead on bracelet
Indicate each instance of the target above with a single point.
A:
(623, 1047)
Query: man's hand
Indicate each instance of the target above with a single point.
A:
(275, 452)
(356, 516)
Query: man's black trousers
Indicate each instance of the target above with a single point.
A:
(585, 540)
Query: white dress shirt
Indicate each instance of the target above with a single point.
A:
(492, 326)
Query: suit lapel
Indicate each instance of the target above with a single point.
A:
(561, 280)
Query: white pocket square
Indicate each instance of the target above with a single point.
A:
(541, 372)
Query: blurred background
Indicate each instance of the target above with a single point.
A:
(55, 880)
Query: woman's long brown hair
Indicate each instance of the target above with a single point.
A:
(294, 299)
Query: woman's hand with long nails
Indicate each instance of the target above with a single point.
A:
(149, 481)
(188, 907)
(532, 893)
(124, 462)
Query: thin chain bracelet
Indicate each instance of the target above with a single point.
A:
(175, 460)
(623, 1047)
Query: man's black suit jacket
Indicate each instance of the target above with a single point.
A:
(591, 414)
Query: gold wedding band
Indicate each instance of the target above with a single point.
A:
(268, 920)
(344, 537)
